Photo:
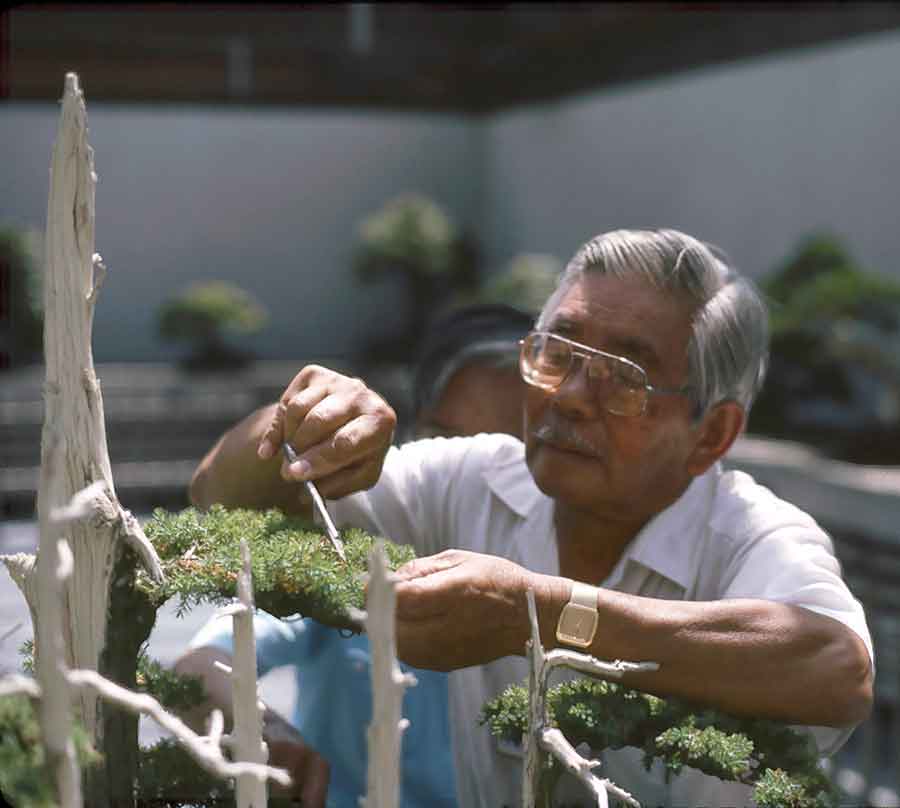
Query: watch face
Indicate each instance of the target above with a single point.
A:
(577, 625)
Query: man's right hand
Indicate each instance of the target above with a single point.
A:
(340, 429)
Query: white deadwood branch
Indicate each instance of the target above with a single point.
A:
(541, 737)
(204, 749)
(22, 569)
(554, 742)
(388, 686)
(247, 741)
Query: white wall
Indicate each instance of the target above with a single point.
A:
(750, 156)
(268, 199)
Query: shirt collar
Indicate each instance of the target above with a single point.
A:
(511, 482)
(666, 545)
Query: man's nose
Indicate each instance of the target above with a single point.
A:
(575, 396)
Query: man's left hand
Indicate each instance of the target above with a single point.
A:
(459, 608)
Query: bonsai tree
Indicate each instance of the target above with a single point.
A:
(295, 569)
(21, 316)
(835, 375)
(526, 282)
(411, 236)
(203, 315)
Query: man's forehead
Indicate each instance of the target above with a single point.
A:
(624, 316)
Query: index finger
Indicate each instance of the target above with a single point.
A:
(276, 432)
(288, 414)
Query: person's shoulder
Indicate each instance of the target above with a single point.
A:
(744, 508)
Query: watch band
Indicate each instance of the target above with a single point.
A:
(578, 620)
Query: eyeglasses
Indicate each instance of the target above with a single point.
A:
(621, 386)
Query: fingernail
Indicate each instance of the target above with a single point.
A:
(300, 469)
(265, 450)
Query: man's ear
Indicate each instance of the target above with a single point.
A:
(715, 434)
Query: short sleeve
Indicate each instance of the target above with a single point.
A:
(795, 564)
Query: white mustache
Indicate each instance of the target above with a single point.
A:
(561, 433)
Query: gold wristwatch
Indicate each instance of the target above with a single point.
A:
(578, 619)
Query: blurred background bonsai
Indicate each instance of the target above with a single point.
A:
(834, 379)
(525, 283)
(208, 316)
(21, 304)
(411, 236)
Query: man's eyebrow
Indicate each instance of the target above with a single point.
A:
(630, 346)
(564, 327)
(634, 348)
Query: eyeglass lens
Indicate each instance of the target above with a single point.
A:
(546, 361)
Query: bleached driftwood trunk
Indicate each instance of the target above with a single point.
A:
(74, 412)
(388, 686)
(542, 739)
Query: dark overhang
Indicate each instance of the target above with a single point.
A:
(419, 56)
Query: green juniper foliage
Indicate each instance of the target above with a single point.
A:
(172, 690)
(295, 568)
(169, 776)
(23, 777)
(779, 762)
(26, 651)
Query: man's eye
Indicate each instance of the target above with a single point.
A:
(555, 354)
(629, 376)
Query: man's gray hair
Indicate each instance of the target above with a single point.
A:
(729, 346)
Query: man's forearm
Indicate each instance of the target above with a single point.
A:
(233, 474)
(746, 657)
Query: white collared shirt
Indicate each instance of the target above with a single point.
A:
(725, 537)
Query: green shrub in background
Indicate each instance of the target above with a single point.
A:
(821, 283)
(834, 379)
(411, 236)
(204, 315)
(526, 282)
(21, 304)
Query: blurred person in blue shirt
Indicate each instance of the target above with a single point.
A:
(466, 382)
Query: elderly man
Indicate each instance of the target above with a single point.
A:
(640, 373)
